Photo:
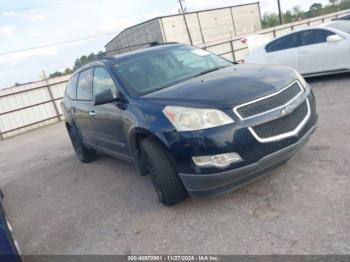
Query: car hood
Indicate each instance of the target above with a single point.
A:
(225, 88)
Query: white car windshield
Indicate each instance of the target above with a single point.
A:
(341, 25)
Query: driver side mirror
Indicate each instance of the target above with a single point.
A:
(334, 38)
(105, 97)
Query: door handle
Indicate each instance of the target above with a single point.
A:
(92, 113)
(304, 52)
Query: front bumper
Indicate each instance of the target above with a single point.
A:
(222, 182)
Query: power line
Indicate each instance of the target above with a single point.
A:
(57, 43)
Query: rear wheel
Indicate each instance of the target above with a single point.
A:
(84, 154)
(166, 181)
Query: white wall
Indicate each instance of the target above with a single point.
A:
(149, 31)
(211, 26)
(205, 27)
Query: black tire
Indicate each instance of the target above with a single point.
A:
(166, 181)
(83, 153)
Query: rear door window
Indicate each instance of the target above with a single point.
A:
(71, 89)
(283, 43)
(314, 36)
(84, 89)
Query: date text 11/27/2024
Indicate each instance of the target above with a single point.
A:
(173, 258)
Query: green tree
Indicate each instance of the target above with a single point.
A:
(87, 59)
(288, 17)
(56, 74)
(298, 13)
(316, 9)
(344, 4)
(68, 71)
(78, 63)
(270, 20)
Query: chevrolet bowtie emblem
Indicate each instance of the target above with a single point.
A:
(288, 109)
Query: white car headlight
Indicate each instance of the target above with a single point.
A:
(191, 119)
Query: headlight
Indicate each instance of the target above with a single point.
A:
(222, 160)
(301, 79)
(191, 119)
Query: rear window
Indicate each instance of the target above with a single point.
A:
(71, 89)
(341, 25)
(84, 90)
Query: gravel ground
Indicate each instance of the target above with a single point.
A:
(59, 206)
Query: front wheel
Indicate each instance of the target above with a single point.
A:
(166, 181)
(84, 154)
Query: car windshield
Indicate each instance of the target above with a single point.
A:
(162, 67)
(341, 25)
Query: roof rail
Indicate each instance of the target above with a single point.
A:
(142, 46)
(166, 43)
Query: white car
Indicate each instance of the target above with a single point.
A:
(318, 50)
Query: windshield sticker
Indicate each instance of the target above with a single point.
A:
(200, 52)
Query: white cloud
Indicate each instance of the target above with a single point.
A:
(29, 15)
(80, 42)
(68, 64)
(36, 17)
(205, 4)
(8, 14)
(15, 58)
(115, 24)
(7, 30)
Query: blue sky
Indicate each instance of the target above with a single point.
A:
(31, 23)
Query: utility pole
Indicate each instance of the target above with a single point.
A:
(280, 12)
(184, 16)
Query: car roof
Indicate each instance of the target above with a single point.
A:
(145, 50)
(115, 58)
(321, 26)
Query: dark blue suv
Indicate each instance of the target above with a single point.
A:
(193, 121)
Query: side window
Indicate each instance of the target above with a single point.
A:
(103, 81)
(71, 89)
(286, 42)
(84, 91)
(314, 36)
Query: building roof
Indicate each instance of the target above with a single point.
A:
(193, 12)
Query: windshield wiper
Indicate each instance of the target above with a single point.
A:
(183, 80)
(209, 70)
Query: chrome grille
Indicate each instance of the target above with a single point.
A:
(284, 126)
(270, 102)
